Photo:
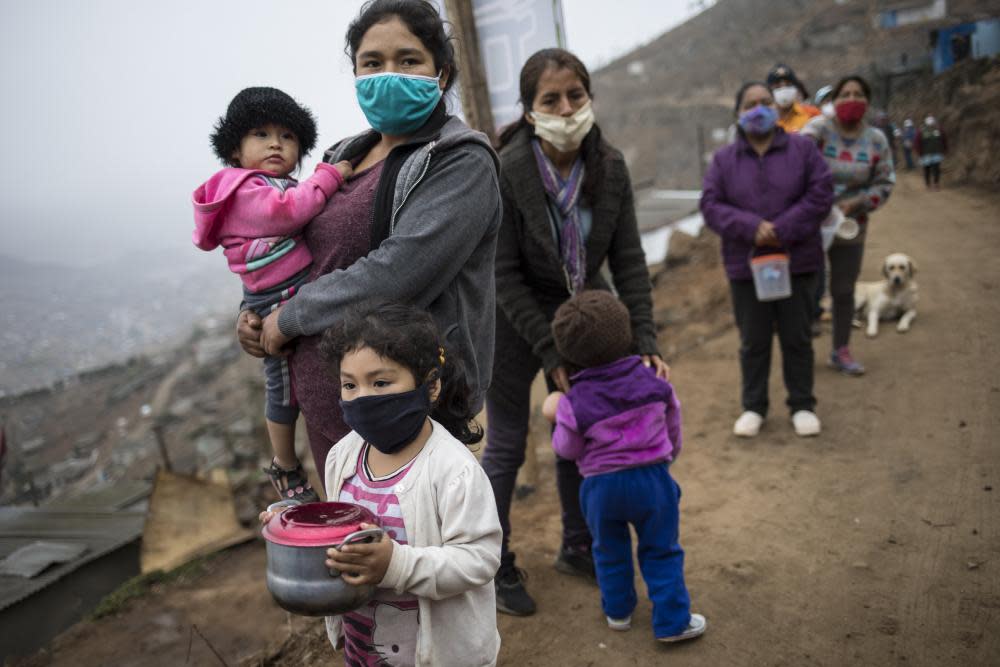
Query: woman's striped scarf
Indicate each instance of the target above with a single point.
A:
(566, 195)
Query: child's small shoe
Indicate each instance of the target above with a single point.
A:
(620, 624)
(291, 484)
(696, 628)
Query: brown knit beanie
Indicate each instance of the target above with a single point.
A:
(592, 329)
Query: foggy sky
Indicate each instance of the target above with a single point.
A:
(108, 105)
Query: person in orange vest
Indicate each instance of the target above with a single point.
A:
(789, 93)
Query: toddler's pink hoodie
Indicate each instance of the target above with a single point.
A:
(249, 218)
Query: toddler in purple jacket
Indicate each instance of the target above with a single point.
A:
(622, 425)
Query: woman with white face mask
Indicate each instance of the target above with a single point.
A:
(567, 207)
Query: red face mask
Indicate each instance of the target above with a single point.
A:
(851, 111)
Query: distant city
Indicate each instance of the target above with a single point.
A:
(61, 320)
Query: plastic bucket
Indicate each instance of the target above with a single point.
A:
(771, 277)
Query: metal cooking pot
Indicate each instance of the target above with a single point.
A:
(297, 540)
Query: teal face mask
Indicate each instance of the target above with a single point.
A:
(397, 104)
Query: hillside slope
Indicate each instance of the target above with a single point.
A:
(966, 101)
(651, 101)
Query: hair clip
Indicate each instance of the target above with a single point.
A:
(441, 355)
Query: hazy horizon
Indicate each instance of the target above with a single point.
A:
(118, 98)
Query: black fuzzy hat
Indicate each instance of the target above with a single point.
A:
(779, 72)
(592, 329)
(254, 107)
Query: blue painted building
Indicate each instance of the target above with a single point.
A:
(964, 41)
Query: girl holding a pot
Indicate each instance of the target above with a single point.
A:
(428, 582)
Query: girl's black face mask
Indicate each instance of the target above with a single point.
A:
(389, 422)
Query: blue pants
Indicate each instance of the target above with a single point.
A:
(648, 498)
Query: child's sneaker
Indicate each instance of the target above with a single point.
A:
(696, 628)
(841, 360)
(291, 484)
(619, 624)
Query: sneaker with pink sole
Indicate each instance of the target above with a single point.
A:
(841, 360)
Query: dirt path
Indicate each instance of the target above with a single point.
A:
(876, 544)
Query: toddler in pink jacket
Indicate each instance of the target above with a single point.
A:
(257, 212)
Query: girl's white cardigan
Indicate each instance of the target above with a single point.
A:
(453, 552)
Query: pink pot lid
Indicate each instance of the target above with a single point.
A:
(317, 524)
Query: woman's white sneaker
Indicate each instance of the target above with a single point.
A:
(806, 423)
(748, 425)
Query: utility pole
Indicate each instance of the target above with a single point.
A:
(475, 91)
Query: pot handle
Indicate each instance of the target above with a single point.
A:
(365, 535)
(282, 504)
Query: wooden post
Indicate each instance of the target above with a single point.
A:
(475, 91)
(161, 443)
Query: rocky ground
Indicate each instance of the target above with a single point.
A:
(875, 544)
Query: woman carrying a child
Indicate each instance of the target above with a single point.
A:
(416, 223)
(567, 208)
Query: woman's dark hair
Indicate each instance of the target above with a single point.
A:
(593, 149)
(743, 90)
(420, 17)
(865, 87)
(409, 336)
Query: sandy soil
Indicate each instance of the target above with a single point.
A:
(877, 543)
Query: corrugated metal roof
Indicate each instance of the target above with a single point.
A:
(32, 559)
(99, 532)
(120, 495)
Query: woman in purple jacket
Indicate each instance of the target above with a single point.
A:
(770, 189)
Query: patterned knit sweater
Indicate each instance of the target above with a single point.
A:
(860, 166)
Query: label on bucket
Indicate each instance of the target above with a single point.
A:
(771, 277)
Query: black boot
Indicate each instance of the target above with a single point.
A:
(512, 598)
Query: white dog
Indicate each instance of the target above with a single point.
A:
(894, 297)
